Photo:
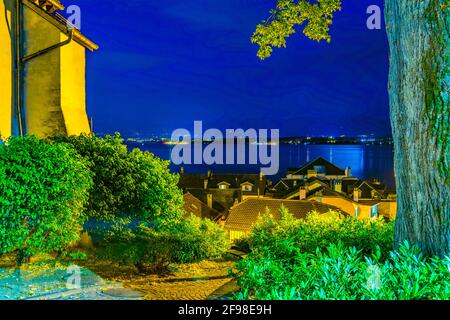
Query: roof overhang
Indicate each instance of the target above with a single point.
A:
(60, 22)
(49, 5)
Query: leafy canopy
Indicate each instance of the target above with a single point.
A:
(316, 16)
(133, 183)
(43, 190)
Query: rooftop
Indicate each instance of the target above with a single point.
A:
(329, 168)
(195, 206)
(245, 214)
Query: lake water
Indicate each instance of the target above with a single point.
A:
(366, 162)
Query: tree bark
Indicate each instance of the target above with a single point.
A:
(419, 81)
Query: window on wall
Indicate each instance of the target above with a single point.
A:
(374, 211)
(223, 186)
(375, 194)
(320, 169)
(247, 187)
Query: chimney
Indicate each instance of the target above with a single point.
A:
(302, 194)
(182, 170)
(209, 200)
(356, 194)
(338, 186)
(348, 172)
(209, 174)
(261, 176)
(205, 183)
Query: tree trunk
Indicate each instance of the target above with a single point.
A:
(419, 81)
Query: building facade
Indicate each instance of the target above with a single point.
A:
(42, 70)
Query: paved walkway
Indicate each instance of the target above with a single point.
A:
(195, 281)
(52, 284)
(106, 281)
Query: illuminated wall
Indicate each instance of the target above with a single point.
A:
(52, 84)
(73, 84)
(6, 75)
(345, 205)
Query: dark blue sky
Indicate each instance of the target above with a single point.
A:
(163, 64)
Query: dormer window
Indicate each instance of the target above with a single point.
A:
(375, 194)
(319, 169)
(247, 186)
(223, 185)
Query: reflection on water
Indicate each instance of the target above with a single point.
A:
(366, 162)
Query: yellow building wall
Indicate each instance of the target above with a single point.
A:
(41, 77)
(73, 84)
(54, 96)
(235, 235)
(6, 75)
(346, 206)
(388, 209)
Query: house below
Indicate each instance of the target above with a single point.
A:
(322, 181)
(244, 215)
(222, 191)
(194, 206)
(318, 168)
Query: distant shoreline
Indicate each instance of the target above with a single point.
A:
(286, 141)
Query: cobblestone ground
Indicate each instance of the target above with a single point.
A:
(103, 280)
(194, 281)
(196, 290)
(50, 282)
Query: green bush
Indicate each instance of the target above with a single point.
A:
(331, 257)
(43, 190)
(132, 183)
(183, 241)
(318, 231)
(341, 273)
(200, 239)
(78, 255)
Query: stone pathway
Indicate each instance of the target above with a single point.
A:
(51, 283)
(225, 292)
(194, 281)
(106, 281)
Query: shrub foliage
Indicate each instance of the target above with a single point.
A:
(43, 190)
(341, 273)
(180, 241)
(132, 183)
(324, 257)
(319, 230)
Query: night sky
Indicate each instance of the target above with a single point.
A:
(164, 63)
